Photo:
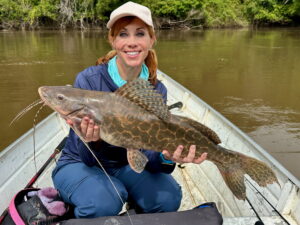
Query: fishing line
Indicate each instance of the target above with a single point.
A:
(21, 114)
(268, 202)
(106, 174)
(34, 129)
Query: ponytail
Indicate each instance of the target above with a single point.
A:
(106, 58)
(151, 63)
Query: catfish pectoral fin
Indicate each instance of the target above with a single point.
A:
(136, 159)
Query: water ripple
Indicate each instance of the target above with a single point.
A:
(31, 63)
(277, 129)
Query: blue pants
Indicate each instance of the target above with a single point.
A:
(92, 194)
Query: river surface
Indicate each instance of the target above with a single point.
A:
(251, 77)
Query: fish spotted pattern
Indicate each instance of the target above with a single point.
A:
(135, 117)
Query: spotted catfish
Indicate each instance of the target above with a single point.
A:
(135, 117)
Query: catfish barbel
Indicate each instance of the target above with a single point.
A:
(135, 117)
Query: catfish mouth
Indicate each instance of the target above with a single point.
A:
(73, 112)
(70, 114)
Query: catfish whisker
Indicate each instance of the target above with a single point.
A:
(37, 113)
(25, 110)
(34, 123)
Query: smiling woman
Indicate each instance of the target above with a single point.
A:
(77, 175)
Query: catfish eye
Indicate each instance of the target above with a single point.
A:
(60, 97)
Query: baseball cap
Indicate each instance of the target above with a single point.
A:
(131, 9)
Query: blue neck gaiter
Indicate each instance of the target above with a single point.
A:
(117, 79)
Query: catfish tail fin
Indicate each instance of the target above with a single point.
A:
(233, 173)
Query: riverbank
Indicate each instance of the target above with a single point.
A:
(159, 24)
(167, 14)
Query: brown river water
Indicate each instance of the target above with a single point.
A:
(251, 77)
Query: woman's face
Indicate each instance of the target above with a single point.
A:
(132, 44)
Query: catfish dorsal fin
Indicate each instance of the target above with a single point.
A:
(142, 93)
(206, 131)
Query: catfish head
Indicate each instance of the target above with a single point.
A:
(72, 103)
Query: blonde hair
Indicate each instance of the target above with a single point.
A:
(151, 59)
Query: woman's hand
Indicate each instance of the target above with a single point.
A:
(89, 131)
(190, 158)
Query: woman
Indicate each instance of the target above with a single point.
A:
(77, 176)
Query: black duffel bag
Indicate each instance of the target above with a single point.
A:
(205, 214)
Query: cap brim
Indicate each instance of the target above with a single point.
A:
(111, 22)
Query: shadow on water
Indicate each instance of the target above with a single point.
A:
(251, 77)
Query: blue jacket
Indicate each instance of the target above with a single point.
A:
(97, 78)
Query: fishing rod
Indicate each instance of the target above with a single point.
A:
(260, 222)
(56, 151)
(279, 214)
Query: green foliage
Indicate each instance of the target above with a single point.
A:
(207, 13)
(27, 11)
(105, 7)
(44, 8)
(266, 11)
(84, 9)
(294, 9)
(12, 10)
(222, 13)
(173, 9)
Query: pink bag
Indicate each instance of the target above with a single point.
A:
(35, 206)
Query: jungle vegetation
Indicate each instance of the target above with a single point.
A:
(167, 14)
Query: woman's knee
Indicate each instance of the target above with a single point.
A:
(168, 202)
(98, 208)
(168, 199)
(99, 201)
(90, 191)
